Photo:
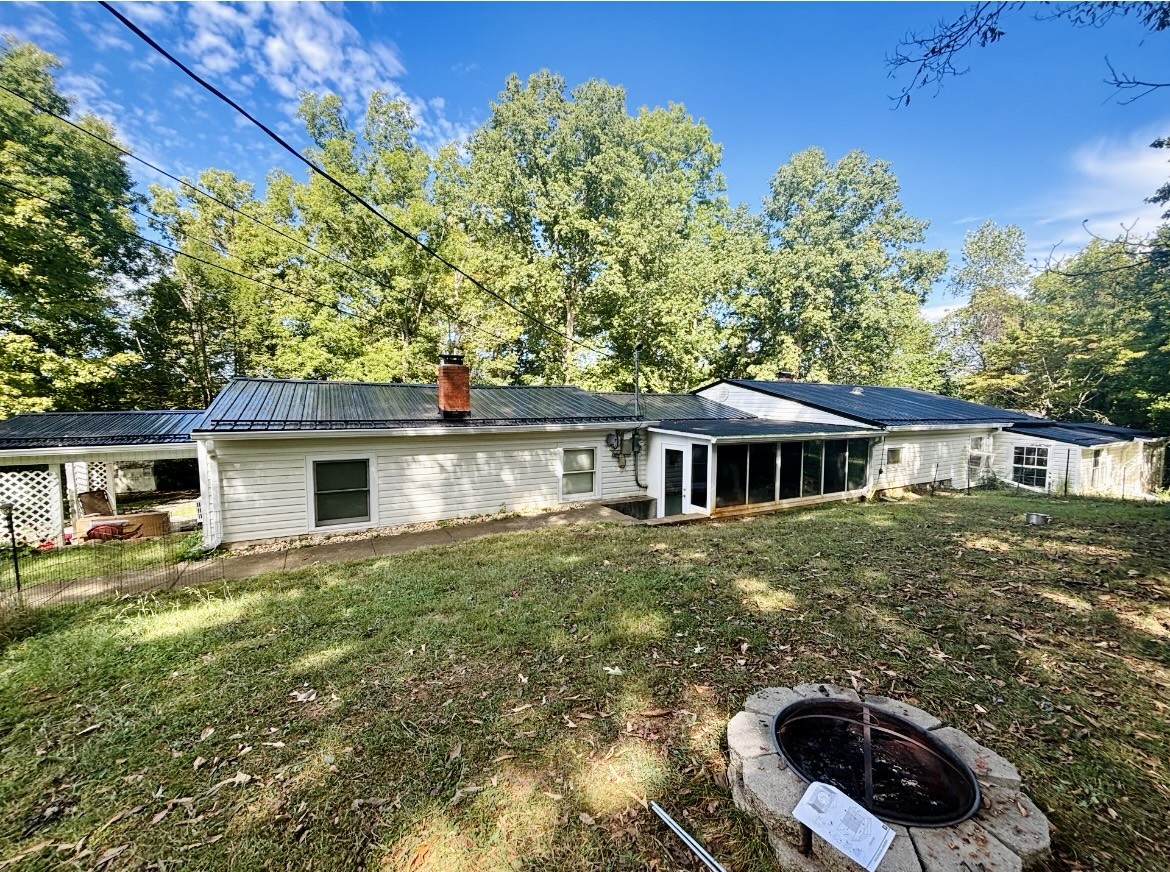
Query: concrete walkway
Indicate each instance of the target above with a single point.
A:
(249, 565)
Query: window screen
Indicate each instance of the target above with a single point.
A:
(858, 464)
(762, 473)
(790, 462)
(341, 491)
(893, 456)
(836, 464)
(699, 476)
(731, 475)
(813, 455)
(1030, 466)
(578, 472)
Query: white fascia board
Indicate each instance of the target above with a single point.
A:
(230, 435)
(769, 437)
(162, 449)
(913, 428)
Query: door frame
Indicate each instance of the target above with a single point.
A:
(676, 443)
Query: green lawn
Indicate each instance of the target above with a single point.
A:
(509, 702)
(93, 559)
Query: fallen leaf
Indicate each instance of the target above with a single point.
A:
(552, 795)
(303, 695)
(586, 819)
(613, 670)
(504, 757)
(89, 729)
(456, 752)
(206, 734)
(110, 856)
(240, 777)
(657, 713)
(199, 761)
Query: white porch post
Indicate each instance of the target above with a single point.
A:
(56, 507)
(111, 490)
(209, 493)
(71, 490)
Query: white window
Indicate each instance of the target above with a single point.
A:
(1096, 458)
(578, 472)
(976, 443)
(1030, 466)
(893, 456)
(341, 491)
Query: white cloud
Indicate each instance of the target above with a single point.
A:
(937, 313)
(1104, 194)
(37, 25)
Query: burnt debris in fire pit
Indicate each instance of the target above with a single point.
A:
(885, 763)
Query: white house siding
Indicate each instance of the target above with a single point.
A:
(938, 455)
(1061, 456)
(265, 487)
(774, 408)
(1121, 470)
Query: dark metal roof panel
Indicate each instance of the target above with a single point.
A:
(1086, 436)
(886, 405)
(677, 406)
(259, 405)
(92, 429)
(761, 428)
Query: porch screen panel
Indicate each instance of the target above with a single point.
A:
(731, 475)
(858, 464)
(790, 457)
(813, 457)
(699, 476)
(762, 472)
(836, 465)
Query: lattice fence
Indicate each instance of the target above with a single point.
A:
(35, 495)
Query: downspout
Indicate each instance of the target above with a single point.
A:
(637, 440)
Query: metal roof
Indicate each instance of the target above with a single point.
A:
(761, 428)
(94, 429)
(885, 406)
(1084, 435)
(676, 407)
(259, 405)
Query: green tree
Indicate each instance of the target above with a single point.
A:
(60, 264)
(992, 279)
(839, 292)
(603, 224)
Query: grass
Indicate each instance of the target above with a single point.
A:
(509, 702)
(94, 559)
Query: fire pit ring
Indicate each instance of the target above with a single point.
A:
(887, 764)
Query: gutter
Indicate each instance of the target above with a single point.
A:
(389, 432)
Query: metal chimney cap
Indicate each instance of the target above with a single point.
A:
(451, 359)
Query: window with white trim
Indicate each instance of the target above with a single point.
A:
(1096, 458)
(893, 456)
(1030, 466)
(578, 472)
(341, 491)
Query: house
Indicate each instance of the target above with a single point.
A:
(926, 438)
(282, 457)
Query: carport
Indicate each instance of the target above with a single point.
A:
(48, 459)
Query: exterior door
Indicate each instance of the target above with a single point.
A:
(672, 491)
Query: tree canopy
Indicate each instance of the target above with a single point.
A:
(609, 226)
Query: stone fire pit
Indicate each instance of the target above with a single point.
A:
(1008, 833)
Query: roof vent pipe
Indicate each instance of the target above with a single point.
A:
(454, 387)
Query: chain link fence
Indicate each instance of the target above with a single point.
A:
(107, 561)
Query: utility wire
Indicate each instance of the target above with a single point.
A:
(173, 250)
(325, 174)
(439, 307)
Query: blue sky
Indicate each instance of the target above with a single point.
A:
(1031, 135)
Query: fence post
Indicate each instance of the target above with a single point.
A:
(7, 508)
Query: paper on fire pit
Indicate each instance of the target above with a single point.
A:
(844, 824)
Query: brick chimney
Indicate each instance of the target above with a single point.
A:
(454, 387)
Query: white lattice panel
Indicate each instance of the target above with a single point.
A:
(96, 473)
(35, 498)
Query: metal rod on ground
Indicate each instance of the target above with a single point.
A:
(697, 849)
(7, 508)
(1067, 458)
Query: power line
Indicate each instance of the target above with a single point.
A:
(441, 308)
(321, 171)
